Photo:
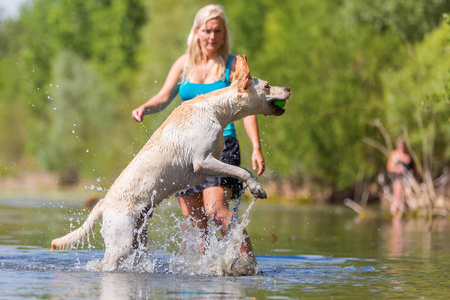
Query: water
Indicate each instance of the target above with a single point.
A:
(302, 252)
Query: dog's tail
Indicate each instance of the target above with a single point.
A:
(80, 235)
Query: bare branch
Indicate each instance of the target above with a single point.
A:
(387, 138)
(376, 145)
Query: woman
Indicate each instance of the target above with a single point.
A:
(208, 66)
(399, 163)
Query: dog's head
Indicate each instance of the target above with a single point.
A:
(261, 95)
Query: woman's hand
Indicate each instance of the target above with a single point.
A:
(258, 161)
(251, 127)
(138, 113)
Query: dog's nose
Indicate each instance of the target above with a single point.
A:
(288, 89)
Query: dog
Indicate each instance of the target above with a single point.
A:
(181, 153)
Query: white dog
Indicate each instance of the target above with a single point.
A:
(180, 154)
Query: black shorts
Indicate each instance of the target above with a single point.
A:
(231, 155)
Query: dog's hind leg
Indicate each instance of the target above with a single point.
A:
(117, 233)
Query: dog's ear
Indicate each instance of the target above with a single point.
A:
(241, 73)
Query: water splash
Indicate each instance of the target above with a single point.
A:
(219, 256)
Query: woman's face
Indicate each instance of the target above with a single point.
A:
(211, 36)
(401, 146)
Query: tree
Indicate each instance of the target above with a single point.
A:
(412, 20)
(81, 114)
(417, 100)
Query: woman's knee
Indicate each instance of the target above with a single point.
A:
(221, 214)
(216, 202)
(191, 205)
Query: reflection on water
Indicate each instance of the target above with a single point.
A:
(306, 252)
(416, 238)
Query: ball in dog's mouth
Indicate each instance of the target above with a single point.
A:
(279, 103)
(278, 107)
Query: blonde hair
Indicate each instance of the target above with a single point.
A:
(194, 51)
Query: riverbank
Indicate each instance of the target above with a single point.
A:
(46, 184)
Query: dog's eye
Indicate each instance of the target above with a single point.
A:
(267, 87)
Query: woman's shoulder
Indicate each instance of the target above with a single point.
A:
(178, 66)
(184, 57)
(181, 61)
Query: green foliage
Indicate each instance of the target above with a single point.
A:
(102, 35)
(81, 113)
(332, 69)
(347, 62)
(12, 110)
(246, 20)
(417, 98)
(412, 20)
(103, 32)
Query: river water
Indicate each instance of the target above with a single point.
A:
(303, 252)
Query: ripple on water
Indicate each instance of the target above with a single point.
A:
(29, 269)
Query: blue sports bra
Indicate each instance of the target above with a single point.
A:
(189, 90)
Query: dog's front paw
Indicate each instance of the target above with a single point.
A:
(256, 189)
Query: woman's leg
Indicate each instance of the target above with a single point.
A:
(216, 201)
(397, 188)
(192, 209)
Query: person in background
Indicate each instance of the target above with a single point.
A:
(400, 162)
(208, 65)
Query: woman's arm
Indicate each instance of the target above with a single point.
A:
(392, 166)
(251, 127)
(165, 95)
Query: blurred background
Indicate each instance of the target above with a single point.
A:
(362, 72)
